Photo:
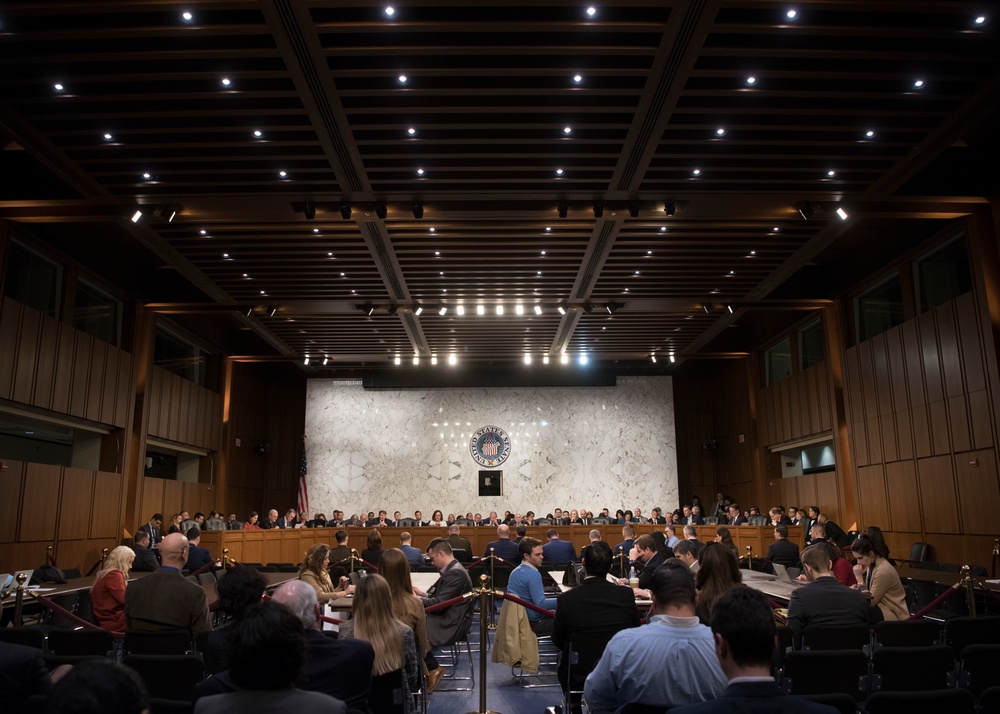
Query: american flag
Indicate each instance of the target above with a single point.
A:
(490, 446)
(303, 488)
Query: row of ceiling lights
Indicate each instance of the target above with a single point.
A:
(452, 360)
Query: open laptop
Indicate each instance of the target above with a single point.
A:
(782, 573)
(6, 580)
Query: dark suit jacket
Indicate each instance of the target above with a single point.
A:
(558, 551)
(755, 698)
(413, 555)
(783, 552)
(623, 547)
(454, 581)
(741, 520)
(282, 523)
(145, 560)
(339, 668)
(825, 603)
(166, 600)
(646, 576)
(457, 541)
(154, 534)
(22, 674)
(590, 614)
(505, 549)
(198, 557)
(339, 553)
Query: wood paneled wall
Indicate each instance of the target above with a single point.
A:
(48, 364)
(183, 412)
(170, 497)
(796, 407)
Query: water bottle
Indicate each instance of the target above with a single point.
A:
(633, 579)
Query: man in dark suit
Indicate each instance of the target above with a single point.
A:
(628, 533)
(651, 558)
(657, 517)
(557, 551)
(736, 517)
(441, 625)
(22, 674)
(457, 541)
(809, 521)
(271, 521)
(503, 547)
(778, 517)
(782, 550)
(413, 555)
(153, 528)
(165, 600)
(288, 520)
(233, 523)
(590, 614)
(745, 637)
(824, 602)
(145, 559)
(198, 557)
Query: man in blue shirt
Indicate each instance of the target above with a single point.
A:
(412, 554)
(526, 583)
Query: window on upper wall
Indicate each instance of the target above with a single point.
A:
(175, 354)
(942, 275)
(879, 308)
(97, 313)
(32, 279)
(812, 344)
(778, 361)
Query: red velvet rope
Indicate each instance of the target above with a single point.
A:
(331, 620)
(446, 604)
(937, 601)
(59, 610)
(529, 605)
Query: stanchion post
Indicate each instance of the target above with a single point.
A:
(104, 558)
(483, 635)
(49, 560)
(493, 583)
(970, 590)
(996, 556)
(225, 558)
(19, 600)
(749, 557)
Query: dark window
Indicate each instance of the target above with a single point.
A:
(880, 309)
(177, 355)
(32, 279)
(778, 361)
(97, 313)
(942, 275)
(812, 345)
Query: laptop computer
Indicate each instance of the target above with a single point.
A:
(782, 573)
(5, 582)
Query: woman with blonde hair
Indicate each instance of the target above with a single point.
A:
(719, 572)
(175, 523)
(107, 594)
(407, 607)
(314, 571)
(394, 644)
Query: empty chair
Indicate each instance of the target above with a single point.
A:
(918, 552)
(836, 638)
(989, 701)
(461, 555)
(785, 643)
(175, 642)
(901, 669)
(826, 672)
(960, 632)
(168, 676)
(980, 668)
(27, 636)
(453, 647)
(843, 703)
(387, 693)
(80, 642)
(924, 592)
(907, 633)
(205, 579)
(952, 701)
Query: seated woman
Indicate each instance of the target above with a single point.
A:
(251, 524)
(719, 573)
(408, 609)
(395, 646)
(437, 519)
(373, 553)
(175, 524)
(880, 580)
(723, 536)
(108, 591)
(314, 572)
(620, 517)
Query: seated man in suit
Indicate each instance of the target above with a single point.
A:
(778, 517)
(22, 674)
(165, 600)
(745, 638)
(441, 625)
(198, 557)
(152, 527)
(503, 547)
(145, 559)
(782, 550)
(288, 520)
(413, 555)
(526, 583)
(233, 523)
(590, 614)
(557, 551)
(458, 541)
(824, 602)
(736, 517)
(628, 533)
(271, 521)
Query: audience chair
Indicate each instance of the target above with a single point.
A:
(53, 661)
(980, 668)
(453, 652)
(579, 660)
(407, 523)
(80, 642)
(826, 672)
(952, 701)
(924, 593)
(206, 579)
(168, 676)
(836, 638)
(67, 601)
(960, 632)
(918, 552)
(387, 692)
(901, 669)
(712, 521)
(461, 555)
(85, 606)
(173, 642)
(843, 703)
(27, 636)
(907, 633)
(640, 708)
(757, 521)
(284, 567)
(601, 521)
(989, 701)
(785, 643)
(71, 573)
(166, 706)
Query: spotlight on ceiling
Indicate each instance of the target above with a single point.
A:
(561, 309)
(418, 210)
(309, 209)
(671, 359)
(345, 211)
(806, 210)
(563, 210)
(598, 209)
(305, 361)
(391, 309)
(708, 308)
(326, 361)
(168, 213)
(249, 311)
(729, 309)
(842, 213)
(670, 207)
(137, 216)
(612, 308)
(633, 209)
(370, 309)
(271, 309)
(418, 312)
(381, 211)
(588, 308)
(653, 358)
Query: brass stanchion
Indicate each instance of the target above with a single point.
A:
(483, 635)
(996, 556)
(749, 557)
(104, 558)
(19, 600)
(48, 556)
(225, 558)
(970, 592)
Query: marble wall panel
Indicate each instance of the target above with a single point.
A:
(407, 450)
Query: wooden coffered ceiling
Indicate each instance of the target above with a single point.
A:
(518, 185)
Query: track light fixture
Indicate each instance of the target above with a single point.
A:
(137, 216)
(418, 210)
(653, 358)
(588, 308)
(380, 211)
(249, 311)
(598, 209)
(709, 308)
(670, 207)
(563, 210)
(169, 212)
(309, 209)
(271, 309)
(612, 308)
(729, 309)
(371, 309)
(345, 211)
(633, 209)
(806, 210)
(391, 309)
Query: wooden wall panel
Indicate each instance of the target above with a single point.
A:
(914, 365)
(75, 504)
(887, 427)
(153, 391)
(937, 494)
(859, 438)
(874, 505)
(95, 383)
(904, 499)
(938, 418)
(183, 412)
(852, 386)
(106, 510)
(904, 436)
(867, 374)
(61, 388)
(795, 407)
(874, 441)
(151, 502)
(27, 348)
(921, 430)
(123, 398)
(827, 497)
(973, 364)
(958, 422)
(38, 507)
(20, 556)
(11, 486)
(10, 319)
(81, 372)
(45, 364)
(930, 358)
(880, 371)
(948, 348)
(897, 369)
(978, 491)
(82, 554)
(173, 497)
(979, 416)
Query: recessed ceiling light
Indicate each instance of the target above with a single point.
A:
(561, 309)
(146, 175)
(187, 16)
(420, 172)
(402, 79)
(917, 84)
(389, 11)
(434, 359)
(981, 20)
(753, 252)
(751, 80)
(696, 172)
(577, 79)
(59, 87)
(108, 137)
(591, 11)
(437, 253)
(720, 131)
(480, 309)
(411, 131)
(636, 272)
(257, 133)
(519, 309)
(649, 252)
(545, 360)
(203, 232)
(343, 275)
(539, 273)
(842, 213)
(136, 216)
(538, 309)
(776, 229)
(663, 229)
(542, 252)
(564, 358)
(792, 14)
(831, 173)
(432, 229)
(226, 82)
(460, 310)
(441, 274)
(329, 255)
(527, 358)
(419, 311)
(225, 255)
(559, 172)
(567, 130)
(262, 292)
(870, 133)
(583, 359)
(283, 174)
(452, 359)
(732, 272)
(499, 309)
(442, 311)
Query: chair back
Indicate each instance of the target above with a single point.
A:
(80, 642)
(387, 692)
(980, 668)
(919, 552)
(953, 701)
(168, 676)
(757, 520)
(407, 522)
(907, 633)
(171, 642)
(902, 669)
(26, 636)
(461, 555)
(826, 672)
(855, 637)
(960, 632)
(712, 521)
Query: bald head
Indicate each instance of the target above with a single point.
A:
(503, 532)
(299, 597)
(173, 550)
